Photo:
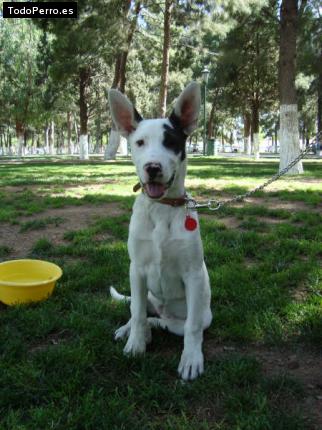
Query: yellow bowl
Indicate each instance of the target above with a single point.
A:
(23, 281)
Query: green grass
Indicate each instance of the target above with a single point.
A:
(4, 251)
(60, 367)
(40, 224)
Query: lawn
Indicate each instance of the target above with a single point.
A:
(60, 367)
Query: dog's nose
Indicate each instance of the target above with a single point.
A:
(153, 169)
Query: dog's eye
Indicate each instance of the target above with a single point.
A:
(140, 142)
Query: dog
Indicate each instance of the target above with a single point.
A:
(168, 276)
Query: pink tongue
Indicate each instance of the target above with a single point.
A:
(155, 190)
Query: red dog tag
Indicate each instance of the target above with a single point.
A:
(190, 223)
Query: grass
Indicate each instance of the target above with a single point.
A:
(40, 224)
(59, 365)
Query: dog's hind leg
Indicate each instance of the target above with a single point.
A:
(119, 297)
(127, 299)
(123, 332)
(174, 326)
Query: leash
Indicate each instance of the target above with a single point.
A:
(215, 205)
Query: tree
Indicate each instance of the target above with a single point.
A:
(309, 78)
(165, 57)
(79, 49)
(119, 80)
(19, 92)
(246, 69)
(289, 133)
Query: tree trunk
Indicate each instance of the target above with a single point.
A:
(289, 127)
(69, 134)
(165, 58)
(211, 120)
(46, 136)
(20, 131)
(319, 115)
(84, 81)
(247, 125)
(112, 144)
(119, 80)
(129, 39)
(222, 140)
(255, 129)
(303, 135)
(51, 138)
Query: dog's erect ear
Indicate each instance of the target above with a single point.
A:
(124, 115)
(186, 110)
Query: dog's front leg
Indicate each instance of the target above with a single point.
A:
(192, 362)
(137, 340)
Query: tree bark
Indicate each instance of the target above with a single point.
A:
(210, 132)
(84, 82)
(46, 135)
(255, 129)
(289, 127)
(112, 144)
(319, 115)
(20, 131)
(247, 126)
(119, 80)
(165, 58)
(125, 53)
(51, 140)
(98, 132)
(69, 133)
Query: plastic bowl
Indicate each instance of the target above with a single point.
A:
(23, 281)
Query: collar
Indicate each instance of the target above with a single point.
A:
(174, 202)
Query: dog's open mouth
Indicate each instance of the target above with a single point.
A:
(156, 190)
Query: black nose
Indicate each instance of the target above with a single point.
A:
(153, 169)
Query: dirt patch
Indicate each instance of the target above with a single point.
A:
(269, 220)
(53, 339)
(275, 203)
(268, 201)
(75, 218)
(229, 222)
(301, 365)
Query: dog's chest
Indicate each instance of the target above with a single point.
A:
(164, 249)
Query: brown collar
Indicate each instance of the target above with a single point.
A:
(177, 201)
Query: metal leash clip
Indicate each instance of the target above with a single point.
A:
(212, 205)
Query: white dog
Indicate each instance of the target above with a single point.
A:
(168, 275)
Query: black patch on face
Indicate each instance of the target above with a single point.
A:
(137, 116)
(174, 138)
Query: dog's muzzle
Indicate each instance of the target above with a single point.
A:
(156, 190)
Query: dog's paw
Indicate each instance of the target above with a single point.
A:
(122, 332)
(191, 365)
(135, 345)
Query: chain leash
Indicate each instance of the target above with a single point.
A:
(214, 204)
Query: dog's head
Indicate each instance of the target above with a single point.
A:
(158, 146)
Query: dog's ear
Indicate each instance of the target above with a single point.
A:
(124, 115)
(186, 110)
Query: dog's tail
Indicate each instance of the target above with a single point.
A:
(119, 297)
